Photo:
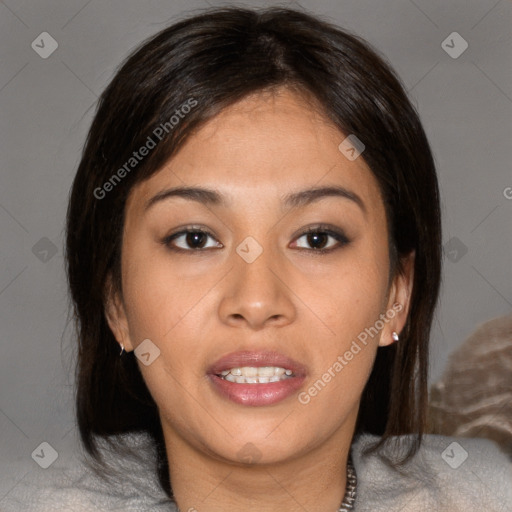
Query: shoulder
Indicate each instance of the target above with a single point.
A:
(446, 474)
(74, 486)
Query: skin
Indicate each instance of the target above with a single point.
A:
(199, 305)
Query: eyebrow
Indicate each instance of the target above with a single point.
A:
(292, 200)
(198, 194)
(305, 197)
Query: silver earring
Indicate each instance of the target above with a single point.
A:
(122, 349)
(395, 336)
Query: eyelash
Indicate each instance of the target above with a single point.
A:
(323, 229)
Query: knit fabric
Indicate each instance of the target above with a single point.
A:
(446, 475)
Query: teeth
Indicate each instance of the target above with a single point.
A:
(256, 375)
(266, 371)
(249, 371)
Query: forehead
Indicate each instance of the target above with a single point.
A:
(263, 147)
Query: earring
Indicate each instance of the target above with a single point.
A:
(395, 336)
(122, 349)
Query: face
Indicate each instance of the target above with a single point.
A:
(259, 273)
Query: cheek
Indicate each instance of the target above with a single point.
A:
(350, 296)
(159, 296)
(167, 309)
(351, 303)
(171, 310)
(346, 351)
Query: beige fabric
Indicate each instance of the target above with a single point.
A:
(474, 396)
(472, 475)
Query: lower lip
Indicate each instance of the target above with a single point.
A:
(257, 394)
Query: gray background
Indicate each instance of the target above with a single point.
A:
(47, 106)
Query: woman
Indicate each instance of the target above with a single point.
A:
(253, 250)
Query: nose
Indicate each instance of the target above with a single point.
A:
(257, 294)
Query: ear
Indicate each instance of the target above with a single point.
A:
(116, 315)
(399, 299)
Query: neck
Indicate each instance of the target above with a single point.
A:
(314, 481)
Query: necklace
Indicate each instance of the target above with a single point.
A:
(350, 491)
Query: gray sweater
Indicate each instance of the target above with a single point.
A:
(446, 475)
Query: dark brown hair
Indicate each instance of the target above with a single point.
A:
(211, 61)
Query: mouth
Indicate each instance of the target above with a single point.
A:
(256, 378)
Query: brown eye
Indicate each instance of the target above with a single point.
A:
(322, 240)
(190, 240)
(317, 240)
(195, 240)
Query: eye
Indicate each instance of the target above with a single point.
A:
(322, 239)
(190, 240)
(319, 239)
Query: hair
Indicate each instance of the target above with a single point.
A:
(210, 61)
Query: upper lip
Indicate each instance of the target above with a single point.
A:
(256, 359)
